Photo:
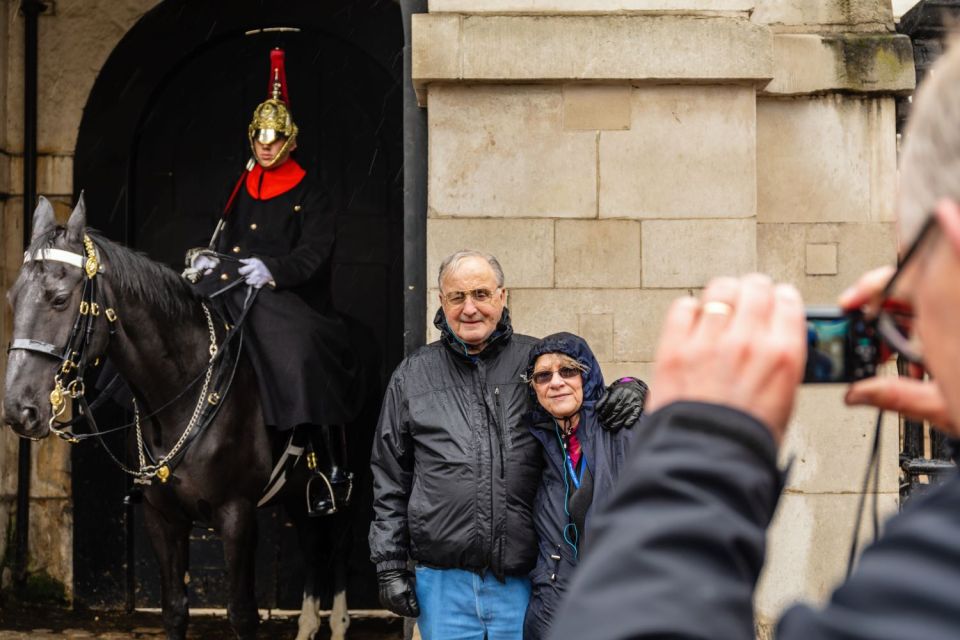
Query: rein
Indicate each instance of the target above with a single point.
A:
(73, 359)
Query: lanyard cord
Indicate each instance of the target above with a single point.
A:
(571, 526)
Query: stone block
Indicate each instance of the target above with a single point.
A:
(50, 469)
(54, 175)
(524, 248)
(6, 187)
(637, 315)
(703, 7)
(615, 48)
(597, 330)
(826, 159)
(51, 540)
(615, 370)
(809, 63)
(500, 151)
(849, 15)
(688, 253)
(604, 47)
(830, 444)
(690, 153)
(807, 548)
(782, 253)
(596, 107)
(598, 253)
(431, 56)
(821, 260)
(76, 43)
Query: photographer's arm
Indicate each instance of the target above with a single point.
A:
(677, 551)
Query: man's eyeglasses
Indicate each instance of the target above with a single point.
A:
(895, 318)
(456, 298)
(541, 378)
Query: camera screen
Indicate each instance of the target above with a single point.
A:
(826, 349)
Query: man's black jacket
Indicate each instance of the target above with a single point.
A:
(455, 469)
(677, 552)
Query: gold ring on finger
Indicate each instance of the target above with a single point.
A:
(717, 307)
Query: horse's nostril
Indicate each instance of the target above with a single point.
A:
(29, 414)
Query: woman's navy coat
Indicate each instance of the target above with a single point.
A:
(604, 453)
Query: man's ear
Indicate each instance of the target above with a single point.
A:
(505, 294)
(948, 215)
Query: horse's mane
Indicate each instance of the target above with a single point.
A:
(136, 275)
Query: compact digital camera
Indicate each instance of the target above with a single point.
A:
(842, 346)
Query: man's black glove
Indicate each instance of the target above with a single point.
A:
(622, 403)
(397, 592)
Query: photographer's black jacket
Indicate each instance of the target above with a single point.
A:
(677, 551)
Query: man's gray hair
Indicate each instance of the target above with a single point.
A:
(453, 261)
(930, 164)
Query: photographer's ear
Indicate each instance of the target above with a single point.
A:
(948, 215)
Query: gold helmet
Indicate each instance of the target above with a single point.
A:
(272, 119)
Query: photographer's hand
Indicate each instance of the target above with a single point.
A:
(916, 399)
(742, 345)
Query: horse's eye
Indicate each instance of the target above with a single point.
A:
(61, 301)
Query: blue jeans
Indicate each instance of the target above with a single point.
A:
(460, 605)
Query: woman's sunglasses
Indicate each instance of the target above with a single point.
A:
(541, 378)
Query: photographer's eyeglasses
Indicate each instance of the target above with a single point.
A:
(457, 298)
(895, 319)
(541, 378)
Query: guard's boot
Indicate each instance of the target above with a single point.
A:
(330, 488)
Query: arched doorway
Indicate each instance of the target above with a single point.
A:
(162, 140)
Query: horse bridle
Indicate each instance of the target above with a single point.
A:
(68, 379)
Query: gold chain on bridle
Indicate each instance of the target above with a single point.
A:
(161, 470)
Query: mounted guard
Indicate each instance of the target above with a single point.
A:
(270, 258)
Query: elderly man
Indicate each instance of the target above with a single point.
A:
(455, 472)
(679, 548)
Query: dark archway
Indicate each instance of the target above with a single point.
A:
(161, 142)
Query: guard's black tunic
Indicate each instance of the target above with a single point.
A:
(298, 345)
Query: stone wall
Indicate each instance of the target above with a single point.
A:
(618, 153)
(76, 37)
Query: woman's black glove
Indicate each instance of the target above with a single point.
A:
(622, 403)
(397, 592)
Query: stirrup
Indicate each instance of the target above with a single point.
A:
(334, 496)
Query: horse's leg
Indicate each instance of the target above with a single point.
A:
(308, 535)
(171, 543)
(238, 527)
(339, 615)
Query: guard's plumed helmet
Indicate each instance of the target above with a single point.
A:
(272, 119)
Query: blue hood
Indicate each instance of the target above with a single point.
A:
(578, 349)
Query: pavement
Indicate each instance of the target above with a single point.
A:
(36, 623)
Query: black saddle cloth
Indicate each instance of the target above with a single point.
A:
(308, 369)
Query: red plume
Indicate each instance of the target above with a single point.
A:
(278, 72)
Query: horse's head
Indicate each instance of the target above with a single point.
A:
(46, 302)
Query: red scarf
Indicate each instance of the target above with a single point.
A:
(573, 447)
(263, 184)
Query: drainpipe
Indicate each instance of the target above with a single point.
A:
(31, 10)
(414, 196)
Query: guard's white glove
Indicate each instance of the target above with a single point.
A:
(255, 273)
(204, 263)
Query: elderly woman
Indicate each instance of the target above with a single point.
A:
(582, 461)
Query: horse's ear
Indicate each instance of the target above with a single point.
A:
(43, 218)
(77, 224)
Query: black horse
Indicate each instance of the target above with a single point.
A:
(157, 332)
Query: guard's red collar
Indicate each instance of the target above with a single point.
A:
(263, 184)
